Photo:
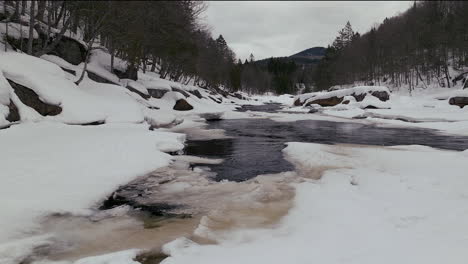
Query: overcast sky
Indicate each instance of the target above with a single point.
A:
(274, 28)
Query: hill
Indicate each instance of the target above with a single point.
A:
(310, 56)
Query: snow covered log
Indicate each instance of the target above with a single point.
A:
(336, 97)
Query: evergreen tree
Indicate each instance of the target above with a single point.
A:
(344, 38)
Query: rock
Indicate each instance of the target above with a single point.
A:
(345, 102)
(332, 101)
(313, 110)
(359, 97)
(459, 101)
(220, 100)
(13, 114)
(175, 89)
(70, 50)
(383, 96)
(371, 107)
(157, 93)
(196, 93)
(97, 78)
(182, 105)
(129, 73)
(31, 99)
(144, 96)
(69, 71)
(212, 116)
(239, 96)
(297, 102)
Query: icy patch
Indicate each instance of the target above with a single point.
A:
(375, 205)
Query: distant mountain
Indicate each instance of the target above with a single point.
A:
(309, 56)
(312, 54)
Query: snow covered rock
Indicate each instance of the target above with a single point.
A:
(336, 97)
(157, 93)
(70, 50)
(196, 93)
(31, 99)
(330, 101)
(182, 105)
(176, 89)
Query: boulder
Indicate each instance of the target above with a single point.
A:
(297, 102)
(31, 99)
(144, 96)
(196, 93)
(97, 78)
(459, 101)
(175, 89)
(382, 95)
(212, 116)
(331, 101)
(359, 97)
(220, 100)
(70, 50)
(157, 93)
(13, 114)
(129, 73)
(239, 96)
(182, 105)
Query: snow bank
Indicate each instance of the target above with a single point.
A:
(70, 168)
(90, 102)
(372, 205)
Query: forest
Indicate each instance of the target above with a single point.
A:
(416, 48)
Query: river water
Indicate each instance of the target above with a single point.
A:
(255, 145)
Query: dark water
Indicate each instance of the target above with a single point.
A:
(269, 108)
(257, 143)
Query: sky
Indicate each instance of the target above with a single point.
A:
(274, 29)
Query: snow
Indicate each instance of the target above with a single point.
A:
(70, 169)
(122, 257)
(100, 64)
(16, 31)
(90, 102)
(403, 204)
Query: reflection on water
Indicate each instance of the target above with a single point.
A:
(255, 144)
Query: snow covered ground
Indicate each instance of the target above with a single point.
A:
(402, 204)
(55, 168)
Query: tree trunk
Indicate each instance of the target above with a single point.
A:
(57, 39)
(23, 7)
(112, 54)
(41, 5)
(31, 28)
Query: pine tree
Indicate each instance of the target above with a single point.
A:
(345, 36)
(251, 58)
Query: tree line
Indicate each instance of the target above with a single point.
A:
(415, 48)
(162, 36)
